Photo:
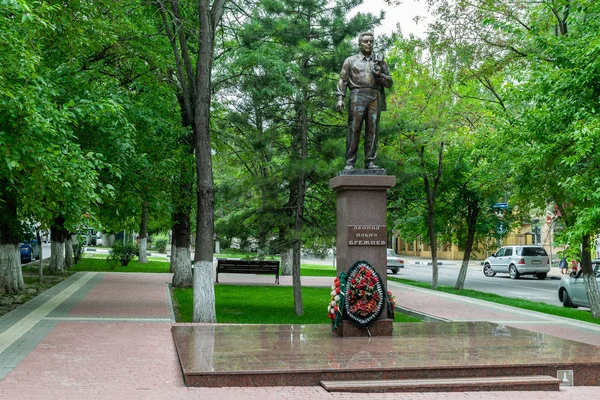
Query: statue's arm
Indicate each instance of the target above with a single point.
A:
(342, 84)
(343, 81)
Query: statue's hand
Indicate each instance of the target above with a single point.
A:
(340, 106)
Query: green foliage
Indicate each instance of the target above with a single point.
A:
(160, 245)
(122, 254)
(280, 133)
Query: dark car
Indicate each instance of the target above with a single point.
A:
(29, 251)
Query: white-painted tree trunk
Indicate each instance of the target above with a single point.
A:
(69, 253)
(11, 278)
(57, 256)
(173, 258)
(204, 292)
(182, 267)
(286, 262)
(110, 240)
(143, 257)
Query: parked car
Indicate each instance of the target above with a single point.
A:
(89, 236)
(596, 266)
(517, 261)
(394, 262)
(572, 292)
(29, 250)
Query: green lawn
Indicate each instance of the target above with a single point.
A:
(263, 305)
(582, 315)
(318, 270)
(101, 265)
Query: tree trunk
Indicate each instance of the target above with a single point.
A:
(69, 251)
(302, 145)
(431, 189)
(57, 255)
(433, 243)
(591, 284)
(182, 268)
(287, 262)
(57, 248)
(11, 278)
(143, 255)
(109, 239)
(41, 260)
(204, 291)
(173, 254)
(181, 262)
(472, 215)
(180, 250)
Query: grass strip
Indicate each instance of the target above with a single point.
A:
(104, 256)
(581, 315)
(98, 263)
(101, 265)
(263, 305)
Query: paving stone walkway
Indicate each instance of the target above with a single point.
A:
(107, 336)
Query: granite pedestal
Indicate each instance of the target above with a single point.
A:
(361, 212)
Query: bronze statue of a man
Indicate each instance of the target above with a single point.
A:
(366, 74)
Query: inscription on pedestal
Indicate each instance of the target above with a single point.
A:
(367, 235)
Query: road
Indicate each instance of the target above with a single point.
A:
(526, 287)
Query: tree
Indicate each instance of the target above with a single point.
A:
(181, 26)
(287, 54)
(43, 164)
(424, 118)
(547, 121)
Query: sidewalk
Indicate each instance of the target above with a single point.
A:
(107, 336)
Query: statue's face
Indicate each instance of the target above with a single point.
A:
(366, 44)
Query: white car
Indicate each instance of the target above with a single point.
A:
(394, 262)
(517, 261)
(572, 291)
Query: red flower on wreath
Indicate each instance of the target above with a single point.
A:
(363, 297)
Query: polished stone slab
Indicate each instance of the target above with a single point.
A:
(279, 355)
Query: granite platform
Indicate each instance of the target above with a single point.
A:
(221, 355)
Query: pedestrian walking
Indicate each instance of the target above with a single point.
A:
(563, 265)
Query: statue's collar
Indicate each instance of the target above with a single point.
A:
(365, 58)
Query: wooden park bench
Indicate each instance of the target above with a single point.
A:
(261, 267)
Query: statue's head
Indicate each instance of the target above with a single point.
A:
(365, 42)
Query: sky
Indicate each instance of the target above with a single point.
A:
(402, 14)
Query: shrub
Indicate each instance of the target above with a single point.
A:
(122, 253)
(160, 245)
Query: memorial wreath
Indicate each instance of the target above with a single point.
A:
(359, 295)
